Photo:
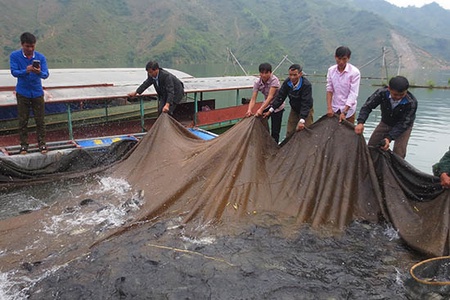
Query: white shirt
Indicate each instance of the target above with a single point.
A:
(344, 86)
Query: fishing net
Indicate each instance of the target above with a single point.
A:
(324, 177)
(417, 207)
(36, 168)
(430, 279)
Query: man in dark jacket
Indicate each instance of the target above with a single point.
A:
(169, 88)
(299, 91)
(442, 169)
(398, 112)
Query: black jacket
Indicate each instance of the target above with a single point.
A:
(169, 88)
(400, 118)
(300, 99)
(443, 166)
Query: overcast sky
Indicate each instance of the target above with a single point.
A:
(403, 3)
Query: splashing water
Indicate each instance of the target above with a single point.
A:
(109, 184)
(107, 215)
(391, 233)
(108, 206)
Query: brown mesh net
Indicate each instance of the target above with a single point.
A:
(323, 176)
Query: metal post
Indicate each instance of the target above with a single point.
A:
(69, 121)
(141, 108)
(195, 109)
(237, 97)
(234, 57)
(106, 110)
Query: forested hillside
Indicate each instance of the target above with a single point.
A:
(127, 33)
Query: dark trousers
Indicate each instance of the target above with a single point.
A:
(161, 104)
(294, 117)
(351, 119)
(275, 121)
(37, 105)
(400, 143)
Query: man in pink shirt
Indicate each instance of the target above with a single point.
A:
(342, 86)
(268, 84)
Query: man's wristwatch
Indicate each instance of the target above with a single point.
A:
(271, 110)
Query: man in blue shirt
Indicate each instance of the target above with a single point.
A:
(29, 67)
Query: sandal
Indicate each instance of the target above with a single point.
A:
(43, 149)
(23, 150)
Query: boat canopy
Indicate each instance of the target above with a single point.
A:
(74, 85)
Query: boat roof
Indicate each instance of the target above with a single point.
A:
(71, 85)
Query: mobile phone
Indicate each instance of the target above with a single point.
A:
(36, 64)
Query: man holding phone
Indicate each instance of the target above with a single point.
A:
(29, 67)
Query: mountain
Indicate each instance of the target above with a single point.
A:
(127, 33)
(422, 28)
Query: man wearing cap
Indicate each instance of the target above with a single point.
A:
(398, 112)
(299, 91)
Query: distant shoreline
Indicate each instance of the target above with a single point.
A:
(421, 86)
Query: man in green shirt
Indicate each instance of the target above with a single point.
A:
(442, 169)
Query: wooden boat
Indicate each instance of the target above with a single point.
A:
(93, 103)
